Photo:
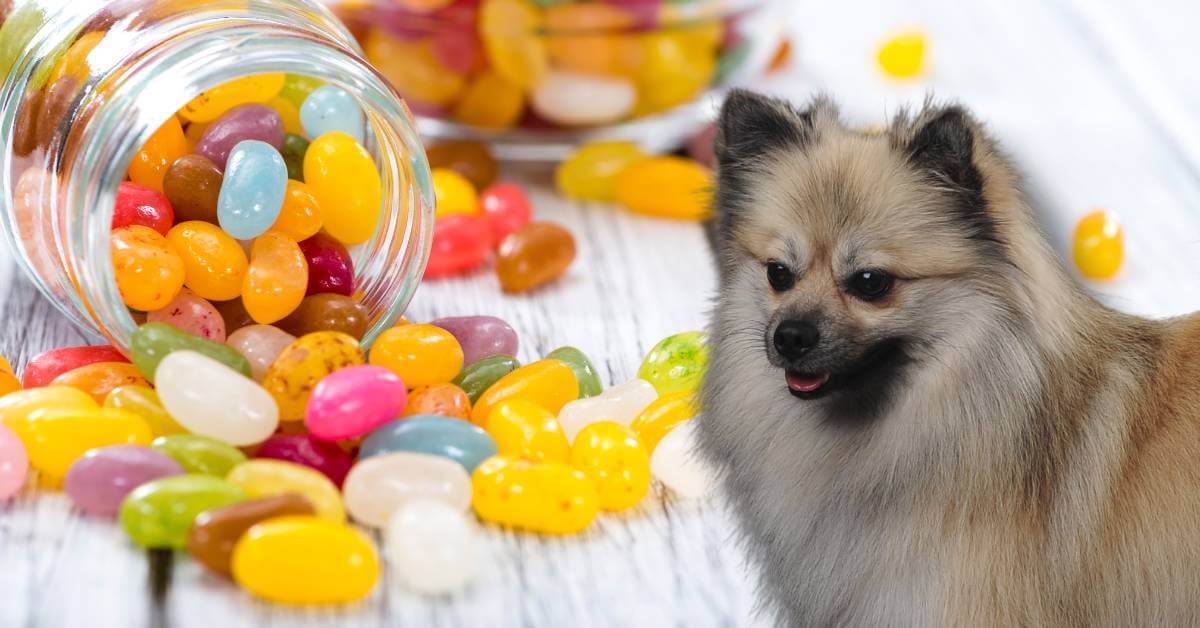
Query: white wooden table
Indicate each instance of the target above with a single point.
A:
(1098, 100)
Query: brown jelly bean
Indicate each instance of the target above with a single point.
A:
(192, 184)
(25, 131)
(235, 315)
(327, 312)
(55, 106)
(215, 532)
(533, 255)
(470, 159)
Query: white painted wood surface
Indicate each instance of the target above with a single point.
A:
(1098, 101)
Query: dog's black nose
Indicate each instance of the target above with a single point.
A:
(794, 338)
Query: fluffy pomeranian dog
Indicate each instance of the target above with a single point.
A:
(918, 417)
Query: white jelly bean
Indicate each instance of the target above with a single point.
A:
(619, 404)
(676, 463)
(580, 100)
(431, 546)
(377, 486)
(211, 399)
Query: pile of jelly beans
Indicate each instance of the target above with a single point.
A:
(252, 456)
(666, 186)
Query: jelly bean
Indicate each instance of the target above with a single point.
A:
(548, 497)
(413, 68)
(472, 160)
(328, 312)
(260, 345)
(422, 355)
(150, 164)
(441, 399)
(903, 56)
(615, 462)
(56, 105)
(509, 29)
(548, 383)
(42, 368)
(144, 402)
(277, 279)
(328, 109)
(620, 404)
(152, 342)
(194, 131)
(14, 463)
(191, 314)
(661, 416)
(460, 243)
(200, 454)
(490, 102)
(533, 256)
(671, 71)
(455, 193)
(480, 336)
(214, 262)
(100, 480)
(193, 184)
(294, 149)
(1098, 246)
(297, 87)
(302, 364)
(588, 39)
(208, 398)
(8, 383)
(289, 114)
(242, 123)
(328, 458)
(140, 205)
(676, 463)
(506, 208)
(457, 440)
(590, 173)
(431, 547)
(676, 363)
(5, 366)
(479, 376)
(330, 269)
(378, 486)
(213, 103)
(668, 187)
(262, 477)
(100, 378)
(585, 372)
(17, 409)
(523, 429)
(74, 62)
(215, 532)
(341, 175)
(572, 99)
(149, 271)
(56, 438)
(235, 315)
(354, 401)
(252, 192)
(160, 513)
(701, 146)
(305, 560)
(25, 126)
(300, 217)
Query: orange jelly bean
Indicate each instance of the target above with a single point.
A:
(150, 164)
(588, 38)
(534, 255)
(491, 102)
(413, 68)
(148, 270)
(215, 264)
(300, 218)
(547, 383)
(422, 355)
(10, 383)
(100, 378)
(441, 400)
(74, 62)
(276, 280)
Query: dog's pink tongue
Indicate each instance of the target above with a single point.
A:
(802, 383)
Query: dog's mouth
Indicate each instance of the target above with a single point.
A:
(877, 365)
(806, 385)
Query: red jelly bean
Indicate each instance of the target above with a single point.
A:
(330, 269)
(460, 243)
(44, 367)
(506, 208)
(140, 205)
(326, 457)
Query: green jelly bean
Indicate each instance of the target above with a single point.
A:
(160, 513)
(293, 151)
(297, 87)
(200, 454)
(589, 381)
(478, 377)
(677, 363)
(153, 341)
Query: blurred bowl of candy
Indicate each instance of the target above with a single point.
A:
(536, 78)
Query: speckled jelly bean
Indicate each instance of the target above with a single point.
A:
(572, 99)
(523, 429)
(1098, 245)
(150, 163)
(676, 463)
(140, 205)
(260, 345)
(478, 377)
(208, 398)
(152, 342)
(215, 532)
(99, 481)
(431, 546)
(200, 454)
(56, 438)
(328, 312)
(328, 109)
(160, 513)
(193, 185)
(245, 122)
(615, 462)
(261, 477)
(276, 280)
(149, 271)
(300, 217)
(214, 102)
(42, 368)
(342, 175)
(192, 315)
(668, 187)
(661, 416)
(330, 269)
(548, 497)
(293, 151)
(472, 160)
(305, 560)
(328, 458)
(548, 383)
(480, 336)
(100, 378)
(455, 194)
(590, 173)
(253, 189)
(441, 399)
(457, 440)
(144, 402)
(354, 401)
(214, 262)
(14, 463)
(378, 486)
(302, 364)
(533, 256)
(460, 243)
(506, 208)
(676, 363)
(422, 355)
(620, 404)
(585, 372)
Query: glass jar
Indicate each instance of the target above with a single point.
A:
(72, 127)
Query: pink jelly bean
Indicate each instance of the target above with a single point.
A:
(460, 243)
(506, 209)
(14, 464)
(330, 269)
(244, 122)
(100, 480)
(354, 401)
(44, 367)
(326, 457)
(261, 344)
(480, 336)
(140, 205)
(193, 315)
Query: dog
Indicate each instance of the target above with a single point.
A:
(918, 417)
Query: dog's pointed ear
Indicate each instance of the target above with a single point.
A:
(944, 144)
(751, 125)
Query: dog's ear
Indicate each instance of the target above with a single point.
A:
(751, 125)
(943, 143)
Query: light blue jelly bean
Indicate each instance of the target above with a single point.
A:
(455, 439)
(252, 191)
(332, 109)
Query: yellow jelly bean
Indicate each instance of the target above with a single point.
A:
(75, 61)
(150, 164)
(263, 477)
(303, 363)
(289, 113)
(100, 378)
(668, 187)
(277, 279)
(341, 175)
(17, 408)
(523, 429)
(550, 384)
(421, 355)
(1099, 245)
(300, 218)
(148, 270)
(413, 69)
(56, 438)
(144, 402)
(215, 264)
(672, 72)
(4, 365)
(193, 133)
(510, 31)
(455, 194)
(491, 102)
(663, 414)
(548, 497)
(616, 463)
(209, 105)
(8, 383)
(590, 173)
(305, 560)
(903, 56)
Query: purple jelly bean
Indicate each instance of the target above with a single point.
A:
(353, 401)
(480, 336)
(100, 480)
(328, 458)
(330, 270)
(244, 122)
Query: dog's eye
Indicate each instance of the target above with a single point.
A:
(870, 285)
(780, 276)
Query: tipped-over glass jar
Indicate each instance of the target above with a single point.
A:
(87, 84)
